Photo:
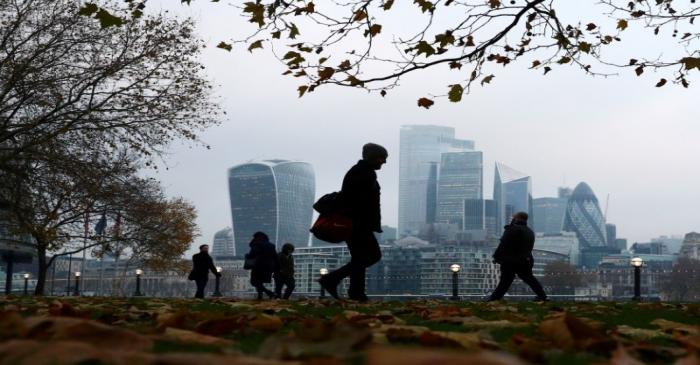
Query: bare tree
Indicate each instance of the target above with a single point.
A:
(682, 283)
(138, 84)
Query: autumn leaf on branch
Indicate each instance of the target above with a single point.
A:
(425, 103)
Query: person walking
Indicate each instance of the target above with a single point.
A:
(514, 254)
(202, 263)
(263, 263)
(360, 200)
(285, 276)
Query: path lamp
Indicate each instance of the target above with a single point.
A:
(323, 273)
(455, 281)
(76, 291)
(637, 263)
(217, 291)
(138, 293)
(26, 283)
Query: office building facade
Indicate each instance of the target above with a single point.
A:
(222, 245)
(512, 191)
(421, 147)
(548, 214)
(272, 196)
(584, 217)
(461, 178)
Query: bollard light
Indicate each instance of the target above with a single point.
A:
(26, 283)
(217, 290)
(455, 280)
(323, 271)
(137, 292)
(76, 292)
(637, 263)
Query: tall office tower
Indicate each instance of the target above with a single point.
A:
(421, 146)
(583, 216)
(610, 234)
(512, 191)
(223, 244)
(548, 214)
(272, 196)
(431, 194)
(474, 217)
(461, 178)
(491, 218)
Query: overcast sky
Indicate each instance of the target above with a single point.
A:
(625, 138)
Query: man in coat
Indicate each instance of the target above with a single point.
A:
(264, 253)
(202, 263)
(360, 197)
(514, 254)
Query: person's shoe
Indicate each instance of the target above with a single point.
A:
(362, 298)
(329, 287)
(542, 300)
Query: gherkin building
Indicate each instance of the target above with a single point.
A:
(584, 217)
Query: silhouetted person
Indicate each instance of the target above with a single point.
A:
(285, 276)
(264, 253)
(202, 263)
(360, 200)
(514, 254)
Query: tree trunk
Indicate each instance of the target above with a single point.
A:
(42, 269)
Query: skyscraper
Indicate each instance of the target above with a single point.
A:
(610, 234)
(222, 244)
(421, 147)
(548, 214)
(491, 218)
(474, 214)
(272, 196)
(461, 177)
(584, 217)
(512, 191)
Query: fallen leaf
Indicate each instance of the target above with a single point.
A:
(405, 356)
(194, 337)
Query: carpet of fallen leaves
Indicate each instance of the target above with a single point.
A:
(141, 331)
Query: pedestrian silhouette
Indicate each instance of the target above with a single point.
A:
(262, 263)
(514, 254)
(360, 201)
(285, 276)
(202, 263)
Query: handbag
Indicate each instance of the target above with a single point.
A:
(332, 228)
(249, 262)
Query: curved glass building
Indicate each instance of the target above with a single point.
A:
(272, 196)
(584, 217)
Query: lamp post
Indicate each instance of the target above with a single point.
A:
(455, 281)
(323, 273)
(637, 263)
(217, 291)
(138, 293)
(76, 292)
(26, 283)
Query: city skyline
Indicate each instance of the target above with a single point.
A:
(626, 139)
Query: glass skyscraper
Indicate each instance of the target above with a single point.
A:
(421, 147)
(461, 178)
(548, 214)
(584, 217)
(512, 191)
(223, 244)
(272, 196)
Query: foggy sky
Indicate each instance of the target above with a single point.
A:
(620, 134)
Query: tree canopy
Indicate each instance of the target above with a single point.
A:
(373, 44)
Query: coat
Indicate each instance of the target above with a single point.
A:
(266, 262)
(516, 245)
(360, 194)
(202, 263)
(286, 263)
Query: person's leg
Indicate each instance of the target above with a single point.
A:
(267, 291)
(525, 274)
(365, 252)
(507, 277)
(279, 281)
(291, 284)
(201, 285)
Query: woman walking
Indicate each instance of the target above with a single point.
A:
(262, 262)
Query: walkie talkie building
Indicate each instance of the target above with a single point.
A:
(272, 196)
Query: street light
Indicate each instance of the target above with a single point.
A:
(217, 291)
(455, 280)
(323, 271)
(637, 263)
(76, 292)
(138, 293)
(26, 283)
